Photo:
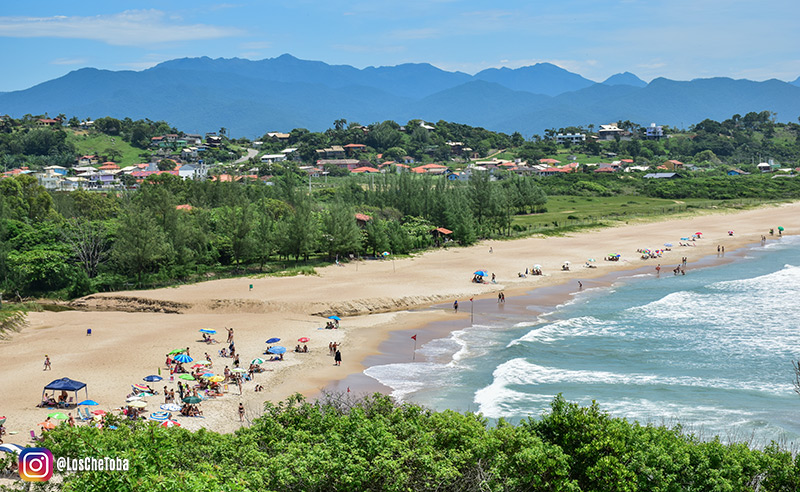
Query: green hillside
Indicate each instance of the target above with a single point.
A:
(106, 147)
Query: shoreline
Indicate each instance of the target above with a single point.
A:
(392, 350)
(414, 293)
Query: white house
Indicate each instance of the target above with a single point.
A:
(572, 138)
(272, 158)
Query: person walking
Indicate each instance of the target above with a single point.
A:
(230, 335)
(47, 363)
(338, 358)
(455, 305)
(241, 412)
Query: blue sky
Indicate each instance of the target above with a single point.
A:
(677, 39)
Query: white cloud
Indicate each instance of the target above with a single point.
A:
(128, 28)
(69, 61)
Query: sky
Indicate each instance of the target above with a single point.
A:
(678, 39)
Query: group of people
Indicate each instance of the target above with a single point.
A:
(332, 325)
(299, 349)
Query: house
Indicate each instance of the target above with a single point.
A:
(736, 172)
(188, 171)
(362, 219)
(333, 152)
(109, 166)
(440, 235)
(456, 148)
(610, 132)
(193, 139)
(58, 170)
(88, 160)
(272, 158)
(662, 176)
(47, 122)
(672, 165)
(572, 138)
(185, 206)
(551, 171)
(654, 132)
(348, 164)
(278, 136)
(767, 167)
(364, 169)
(549, 161)
(407, 159)
(352, 148)
(213, 141)
(189, 153)
(606, 168)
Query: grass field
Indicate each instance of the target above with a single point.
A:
(99, 143)
(571, 212)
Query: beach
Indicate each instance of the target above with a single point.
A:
(132, 331)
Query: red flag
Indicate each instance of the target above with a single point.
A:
(414, 337)
(470, 299)
(348, 389)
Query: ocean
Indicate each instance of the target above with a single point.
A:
(710, 350)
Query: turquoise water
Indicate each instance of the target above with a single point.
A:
(710, 350)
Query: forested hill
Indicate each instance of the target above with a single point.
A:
(251, 97)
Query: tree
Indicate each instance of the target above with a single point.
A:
(340, 231)
(237, 225)
(140, 242)
(298, 231)
(89, 243)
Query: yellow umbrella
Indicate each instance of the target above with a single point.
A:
(216, 379)
(137, 404)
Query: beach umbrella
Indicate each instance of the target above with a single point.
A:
(152, 378)
(273, 340)
(140, 387)
(186, 377)
(159, 416)
(277, 350)
(192, 400)
(98, 412)
(207, 375)
(137, 404)
(303, 339)
(334, 317)
(216, 379)
(176, 351)
(206, 330)
(133, 398)
(11, 448)
(482, 273)
(566, 262)
(57, 415)
(780, 228)
(238, 369)
(668, 245)
(698, 233)
(257, 361)
(183, 358)
(591, 259)
(47, 424)
(385, 253)
(88, 402)
(537, 267)
(170, 423)
(684, 239)
(170, 407)
(204, 362)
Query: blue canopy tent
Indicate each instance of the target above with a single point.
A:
(65, 384)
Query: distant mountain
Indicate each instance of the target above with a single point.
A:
(625, 78)
(250, 98)
(542, 78)
(796, 82)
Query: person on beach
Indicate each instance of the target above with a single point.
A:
(658, 269)
(455, 305)
(493, 278)
(491, 250)
(47, 363)
(71, 420)
(580, 285)
(241, 412)
(230, 335)
(337, 359)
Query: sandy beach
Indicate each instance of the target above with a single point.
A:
(132, 331)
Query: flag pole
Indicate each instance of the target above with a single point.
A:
(414, 355)
(471, 311)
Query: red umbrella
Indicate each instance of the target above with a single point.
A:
(170, 423)
(98, 412)
(698, 233)
(48, 424)
(303, 339)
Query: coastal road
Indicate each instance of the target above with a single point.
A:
(250, 153)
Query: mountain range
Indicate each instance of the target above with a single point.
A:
(250, 98)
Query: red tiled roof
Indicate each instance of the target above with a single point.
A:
(365, 169)
(549, 161)
(363, 217)
(185, 206)
(432, 166)
(605, 170)
(354, 146)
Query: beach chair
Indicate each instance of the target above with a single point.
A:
(34, 437)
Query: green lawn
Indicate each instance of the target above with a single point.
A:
(565, 212)
(98, 143)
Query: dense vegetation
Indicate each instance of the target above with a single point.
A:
(376, 444)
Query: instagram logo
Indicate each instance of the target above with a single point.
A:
(35, 464)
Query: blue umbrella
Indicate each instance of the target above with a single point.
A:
(273, 340)
(482, 273)
(183, 358)
(88, 402)
(335, 317)
(11, 448)
(206, 330)
(152, 378)
(159, 415)
(668, 245)
(277, 350)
